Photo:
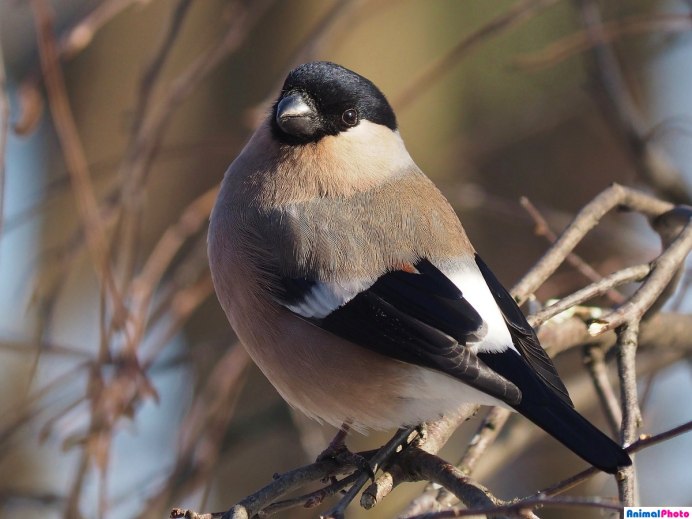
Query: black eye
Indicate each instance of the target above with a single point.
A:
(350, 117)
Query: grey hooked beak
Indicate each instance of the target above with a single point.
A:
(296, 117)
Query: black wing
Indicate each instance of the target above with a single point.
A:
(418, 317)
(523, 335)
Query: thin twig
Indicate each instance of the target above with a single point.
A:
(286, 483)
(523, 505)
(543, 229)
(664, 270)
(436, 436)
(616, 195)
(621, 277)
(594, 359)
(312, 499)
(628, 336)
(486, 434)
(642, 443)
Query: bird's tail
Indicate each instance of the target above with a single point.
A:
(576, 433)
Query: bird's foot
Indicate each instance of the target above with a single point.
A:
(337, 451)
(342, 455)
(421, 437)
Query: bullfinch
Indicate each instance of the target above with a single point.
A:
(351, 283)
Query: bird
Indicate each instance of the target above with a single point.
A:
(349, 279)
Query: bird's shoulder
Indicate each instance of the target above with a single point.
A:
(366, 233)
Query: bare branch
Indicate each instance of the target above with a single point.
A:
(621, 277)
(631, 414)
(587, 219)
(543, 229)
(436, 435)
(664, 270)
(523, 505)
(594, 359)
(643, 442)
(143, 286)
(382, 456)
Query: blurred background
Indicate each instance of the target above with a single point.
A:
(123, 391)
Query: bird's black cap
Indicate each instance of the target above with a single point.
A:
(322, 98)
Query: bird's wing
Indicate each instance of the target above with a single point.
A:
(415, 314)
(523, 335)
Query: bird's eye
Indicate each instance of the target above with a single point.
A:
(350, 117)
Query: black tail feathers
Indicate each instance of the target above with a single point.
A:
(576, 433)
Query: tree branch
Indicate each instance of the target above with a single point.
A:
(628, 336)
(615, 196)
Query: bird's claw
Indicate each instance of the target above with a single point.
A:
(342, 455)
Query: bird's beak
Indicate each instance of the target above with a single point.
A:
(296, 117)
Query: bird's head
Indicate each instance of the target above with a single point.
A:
(322, 98)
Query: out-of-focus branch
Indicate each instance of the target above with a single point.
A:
(144, 285)
(145, 143)
(73, 151)
(519, 13)
(202, 431)
(650, 161)
(71, 43)
(152, 72)
(581, 41)
(80, 35)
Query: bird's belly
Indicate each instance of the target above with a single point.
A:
(333, 380)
